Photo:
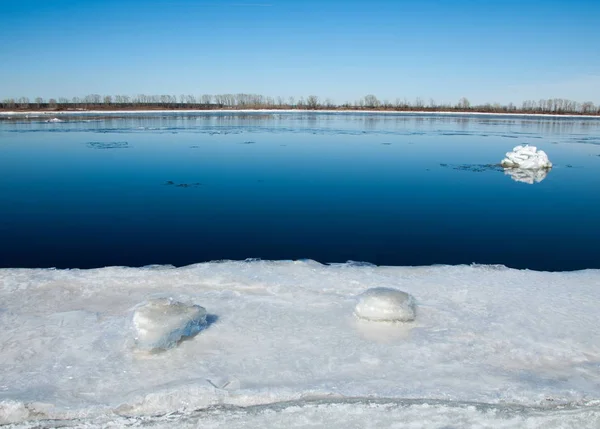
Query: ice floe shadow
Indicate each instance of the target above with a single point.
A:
(211, 319)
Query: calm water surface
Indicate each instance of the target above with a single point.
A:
(388, 189)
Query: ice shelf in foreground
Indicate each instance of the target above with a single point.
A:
(382, 304)
(523, 344)
(526, 158)
(161, 323)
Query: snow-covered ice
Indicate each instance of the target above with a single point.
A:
(382, 304)
(490, 347)
(526, 158)
(161, 322)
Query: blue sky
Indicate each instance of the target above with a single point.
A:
(487, 51)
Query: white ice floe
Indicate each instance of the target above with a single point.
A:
(490, 347)
(382, 304)
(55, 120)
(527, 158)
(527, 176)
(160, 323)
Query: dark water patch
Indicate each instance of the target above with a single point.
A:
(108, 145)
(249, 142)
(508, 136)
(474, 168)
(588, 140)
(183, 185)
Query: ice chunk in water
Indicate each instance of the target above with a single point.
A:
(161, 323)
(385, 305)
(527, 158)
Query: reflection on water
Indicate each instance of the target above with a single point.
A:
(512, 127)
(385, 188)
(527, 176)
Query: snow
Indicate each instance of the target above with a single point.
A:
(526, 158)
(490, 347)
(161, 322)
(383, 304)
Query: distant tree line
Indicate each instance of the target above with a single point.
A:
(311, 102)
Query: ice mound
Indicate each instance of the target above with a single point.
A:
(161, 323)
(527, 176)
(382, 304)
(526, 158)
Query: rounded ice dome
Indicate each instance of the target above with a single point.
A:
(160, 323)
(382, 304)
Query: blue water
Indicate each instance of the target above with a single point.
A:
(390, 189)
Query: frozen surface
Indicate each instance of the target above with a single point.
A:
(383, 304)
(526, 158)
(161, 322)
(490, 347)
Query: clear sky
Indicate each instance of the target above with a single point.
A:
(487, 51)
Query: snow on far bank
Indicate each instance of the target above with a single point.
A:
(520, 340)
(274, 111)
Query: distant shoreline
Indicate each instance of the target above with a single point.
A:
(46, 113)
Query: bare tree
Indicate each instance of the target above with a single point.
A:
(312, 102)
(371, 101)
(587, 107)
(463, 103)
(23, 102)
